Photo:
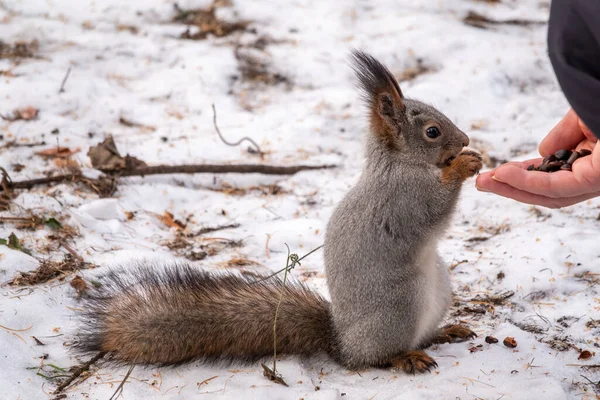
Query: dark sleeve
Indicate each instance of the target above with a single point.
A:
(574, 50)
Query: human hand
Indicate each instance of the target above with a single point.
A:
(557, 189)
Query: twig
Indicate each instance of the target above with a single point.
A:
(456, 264)
(597, 384)
(62, 85)
(291, 262)
(231, 143)
(480, 21)
(78, 371)
(223, 169)
(584, 365)
(208, 229)
(119, 390)
(68, 248)
(38, 341)
(178, 169)
(288, 267)
(16, 330)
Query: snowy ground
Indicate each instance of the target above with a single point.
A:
(127, 61)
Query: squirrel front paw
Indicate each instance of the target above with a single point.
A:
(465, 165)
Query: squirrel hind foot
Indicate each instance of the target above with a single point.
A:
(414, 362)
(452, 334)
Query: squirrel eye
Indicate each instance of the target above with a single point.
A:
(432, 132)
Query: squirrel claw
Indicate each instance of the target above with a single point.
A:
(413, 362)
(465, 165)
(454, 334)
(471, 153)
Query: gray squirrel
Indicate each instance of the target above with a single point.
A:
(389, 288)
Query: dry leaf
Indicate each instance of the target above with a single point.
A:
(167, 219)
(239, 262)
(79, 285)
(475, 348)
(67, 163)
(57, 152)
(105, 156)
(24, 114)
(28, 113)
(272, 376)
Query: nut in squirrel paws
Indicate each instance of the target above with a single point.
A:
(453, 334)
(465, 165)
(413, 362)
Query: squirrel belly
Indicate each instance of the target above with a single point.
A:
(172, 315)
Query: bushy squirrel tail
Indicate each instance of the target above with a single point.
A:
(169, 316)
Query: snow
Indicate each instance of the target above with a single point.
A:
(496, 84)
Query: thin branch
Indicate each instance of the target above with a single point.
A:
(78, 371)
(208, 229)
(178, 169)
(119, 390)
(257, 150)
(62, 85)
(288, 267)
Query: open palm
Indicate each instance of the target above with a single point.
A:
(557, 189)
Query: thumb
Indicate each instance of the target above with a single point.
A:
(567, 134)
(587, 131)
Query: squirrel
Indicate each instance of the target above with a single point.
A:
(389, 288)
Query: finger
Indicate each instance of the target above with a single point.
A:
(484, 179)
(565, 135)
(504, 190)
(587, 131)
(558, 184)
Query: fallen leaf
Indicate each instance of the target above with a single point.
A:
(167, 219)
(53, 223)
(105, 157)
(67, 163)
(14, 243)
(28, 113)
(57, 152)
(272, 376)
(79, 285)
(23, 114)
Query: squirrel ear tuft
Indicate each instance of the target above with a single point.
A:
(381, 92)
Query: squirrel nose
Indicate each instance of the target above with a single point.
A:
(465, 139)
